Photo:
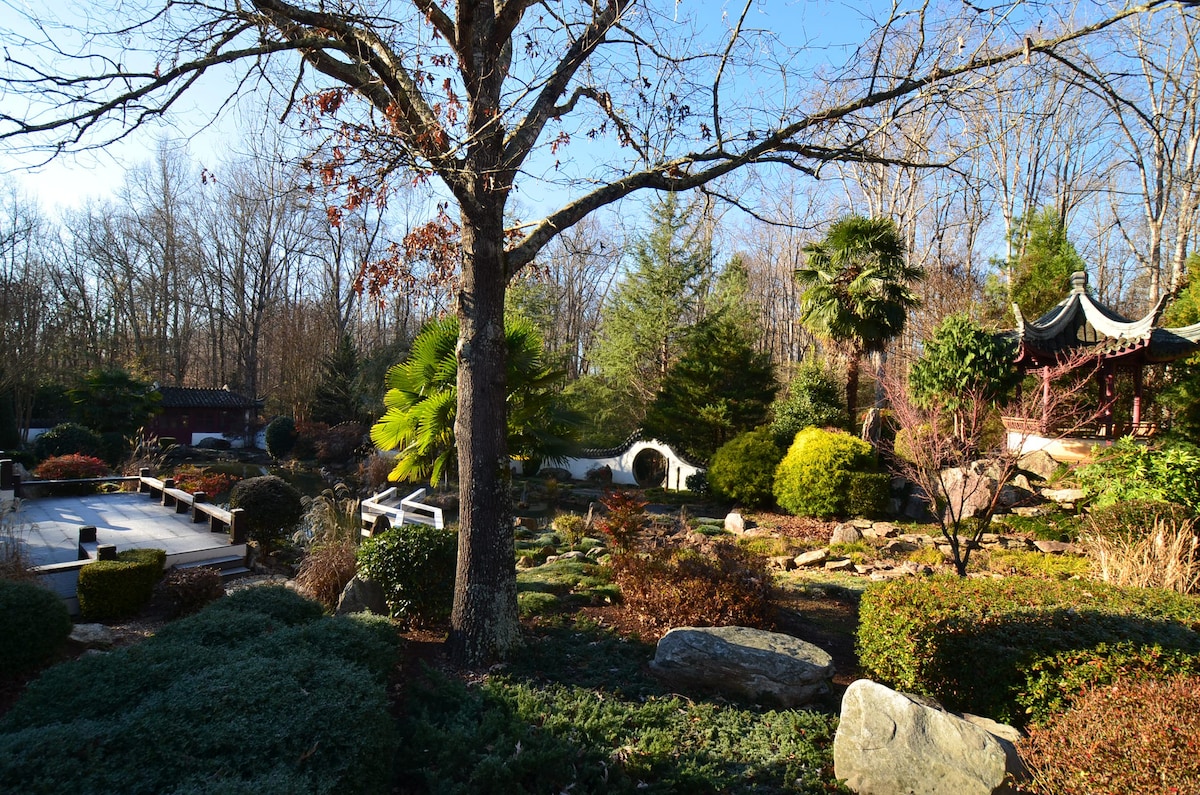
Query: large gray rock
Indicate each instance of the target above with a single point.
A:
(890, 743)
(845, 533)
(93, 636)
(362, 596)
(969, 489)
(765, 667)
(1039, 462)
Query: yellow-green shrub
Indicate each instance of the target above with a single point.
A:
(119, 588)
(813, 478)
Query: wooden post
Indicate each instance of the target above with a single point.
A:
(1137, 398)
(106, 552)
(143, 486)
(198, 499)
(1110, 399)
(167, 499)
(1045, 426)
(16, 485)
(6, 474)
(87, 534)
(237, 527)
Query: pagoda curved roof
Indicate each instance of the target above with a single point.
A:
(1079, 323)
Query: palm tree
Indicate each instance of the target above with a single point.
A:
(422, 398)
(857, 290)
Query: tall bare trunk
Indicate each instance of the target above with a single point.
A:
(483, 625)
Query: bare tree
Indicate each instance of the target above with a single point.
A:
(482, 95)
(946, 451)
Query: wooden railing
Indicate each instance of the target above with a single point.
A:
(219, 519)
(384, 508)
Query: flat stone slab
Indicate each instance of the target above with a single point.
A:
(764, 667)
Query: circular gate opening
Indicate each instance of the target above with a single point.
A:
(649, 468)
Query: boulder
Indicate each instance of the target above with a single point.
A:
(969, 489)
(600, 474)
(557, 473)
(1039, 463)
(881, 530)
(734, 523)
(813, 558)
(890, 743)
(764, 667)
(843, 564)
(1063, 496)
(362, 596)
(845, 533)
(93, 636)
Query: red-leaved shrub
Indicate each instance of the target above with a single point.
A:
(193, 479)
(1129, 737)
(626, 516)
(71, 467)
(188, 590)
(714, 584)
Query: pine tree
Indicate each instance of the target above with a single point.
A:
(337, 398)
(720, 387)
(654, 306)
(1042, 272)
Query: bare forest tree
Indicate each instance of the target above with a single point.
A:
(483, 95)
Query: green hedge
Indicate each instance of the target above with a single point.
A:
(119, 588)
(277, 707)
(414, 565)
(34, 624)
(1008, 649)
(867, 493)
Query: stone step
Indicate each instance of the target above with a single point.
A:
(223, 563)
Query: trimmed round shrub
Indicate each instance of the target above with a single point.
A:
(414, 564)
(34, 624)
(281, 436)
(1128, 737)
(270, 505)
(69, 438)
(110, 589)
(813, 478)
(867, 493)
(743, 469)
(71, 467)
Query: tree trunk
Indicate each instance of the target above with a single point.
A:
(483, 625)
(852, 367)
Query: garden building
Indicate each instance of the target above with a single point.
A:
(1082, 330)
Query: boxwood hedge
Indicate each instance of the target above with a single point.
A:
(119, 588)
(1018, 649)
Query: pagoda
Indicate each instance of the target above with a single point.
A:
(1080, 328)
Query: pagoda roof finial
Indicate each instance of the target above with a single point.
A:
(1079, 282)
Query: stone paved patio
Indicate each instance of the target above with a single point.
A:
(126, 519)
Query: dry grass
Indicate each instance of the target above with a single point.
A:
(14, 555)
(1167, 557)
(326, 569)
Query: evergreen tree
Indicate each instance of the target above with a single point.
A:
(1042, 272)
(719, 388)
(652, 309)
(338, 397)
